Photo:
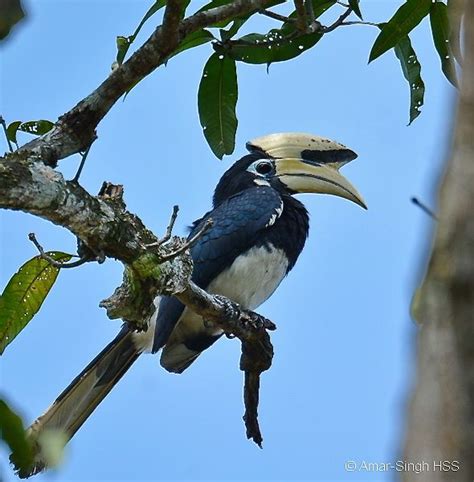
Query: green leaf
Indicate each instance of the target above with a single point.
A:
(354, 4)
(235, 27)
(277, 45)
(12, 130)
(194, 40)
(12, 432)
(38, 127)
(24, 295)
(406, 18)
(441, 36)
(217, 98)
(265, 49)
(123, 43)
(412, 71)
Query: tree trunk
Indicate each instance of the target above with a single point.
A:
(441, 414)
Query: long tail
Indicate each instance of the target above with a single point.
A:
(77, 402)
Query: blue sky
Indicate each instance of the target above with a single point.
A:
(344, 359)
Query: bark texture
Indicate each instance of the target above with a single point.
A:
(441, 418)
(103, 225)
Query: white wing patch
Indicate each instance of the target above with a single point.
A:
(275, 215)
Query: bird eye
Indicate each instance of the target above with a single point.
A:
(264, 167)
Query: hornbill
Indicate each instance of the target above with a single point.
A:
(258, 231)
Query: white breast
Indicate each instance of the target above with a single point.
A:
(252, 277)
(249, 281)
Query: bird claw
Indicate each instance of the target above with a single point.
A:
(257, 322)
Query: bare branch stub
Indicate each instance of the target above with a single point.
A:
(188, 243)
(252, 331)
(57, 264)
(169, 230)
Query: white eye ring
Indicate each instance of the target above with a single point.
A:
(263, 167)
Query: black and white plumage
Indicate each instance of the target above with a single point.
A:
(258, 231)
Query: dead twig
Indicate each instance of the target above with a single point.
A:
(4, 125)
(53, 262)
(424, 208)
(188, 243)
(81, 165)
(169, 230)
(252, 331)
(276, 16)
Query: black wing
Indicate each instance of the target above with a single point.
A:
(237, 225)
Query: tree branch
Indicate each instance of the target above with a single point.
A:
(29, 183)
(75, 130)
(102, 224)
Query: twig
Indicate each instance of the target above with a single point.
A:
(345, 5)
(53, 262)
(76, 128)
(301, 15)
(81, 165)
(276, 16)
(4, 125)
(310, 10)
(360, 22)
(424, 208)
(338, 22)
(188, 243)
(169, 230)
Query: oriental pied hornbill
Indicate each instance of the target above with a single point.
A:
(258, 231)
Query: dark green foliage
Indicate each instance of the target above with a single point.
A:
(217, 98)
(194, 40)
(412, 71)
(441, 30)
(277, 45)
(38, 128)
(354, 4)
(406, 18)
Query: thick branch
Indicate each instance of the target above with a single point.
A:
(75, 130)
(103, 225)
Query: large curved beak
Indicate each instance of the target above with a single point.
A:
(306, 163)
(304, 176)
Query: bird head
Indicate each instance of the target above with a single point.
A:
(291, 163)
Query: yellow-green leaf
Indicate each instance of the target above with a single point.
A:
(25, 293)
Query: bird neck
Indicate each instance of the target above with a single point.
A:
(291, 229)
